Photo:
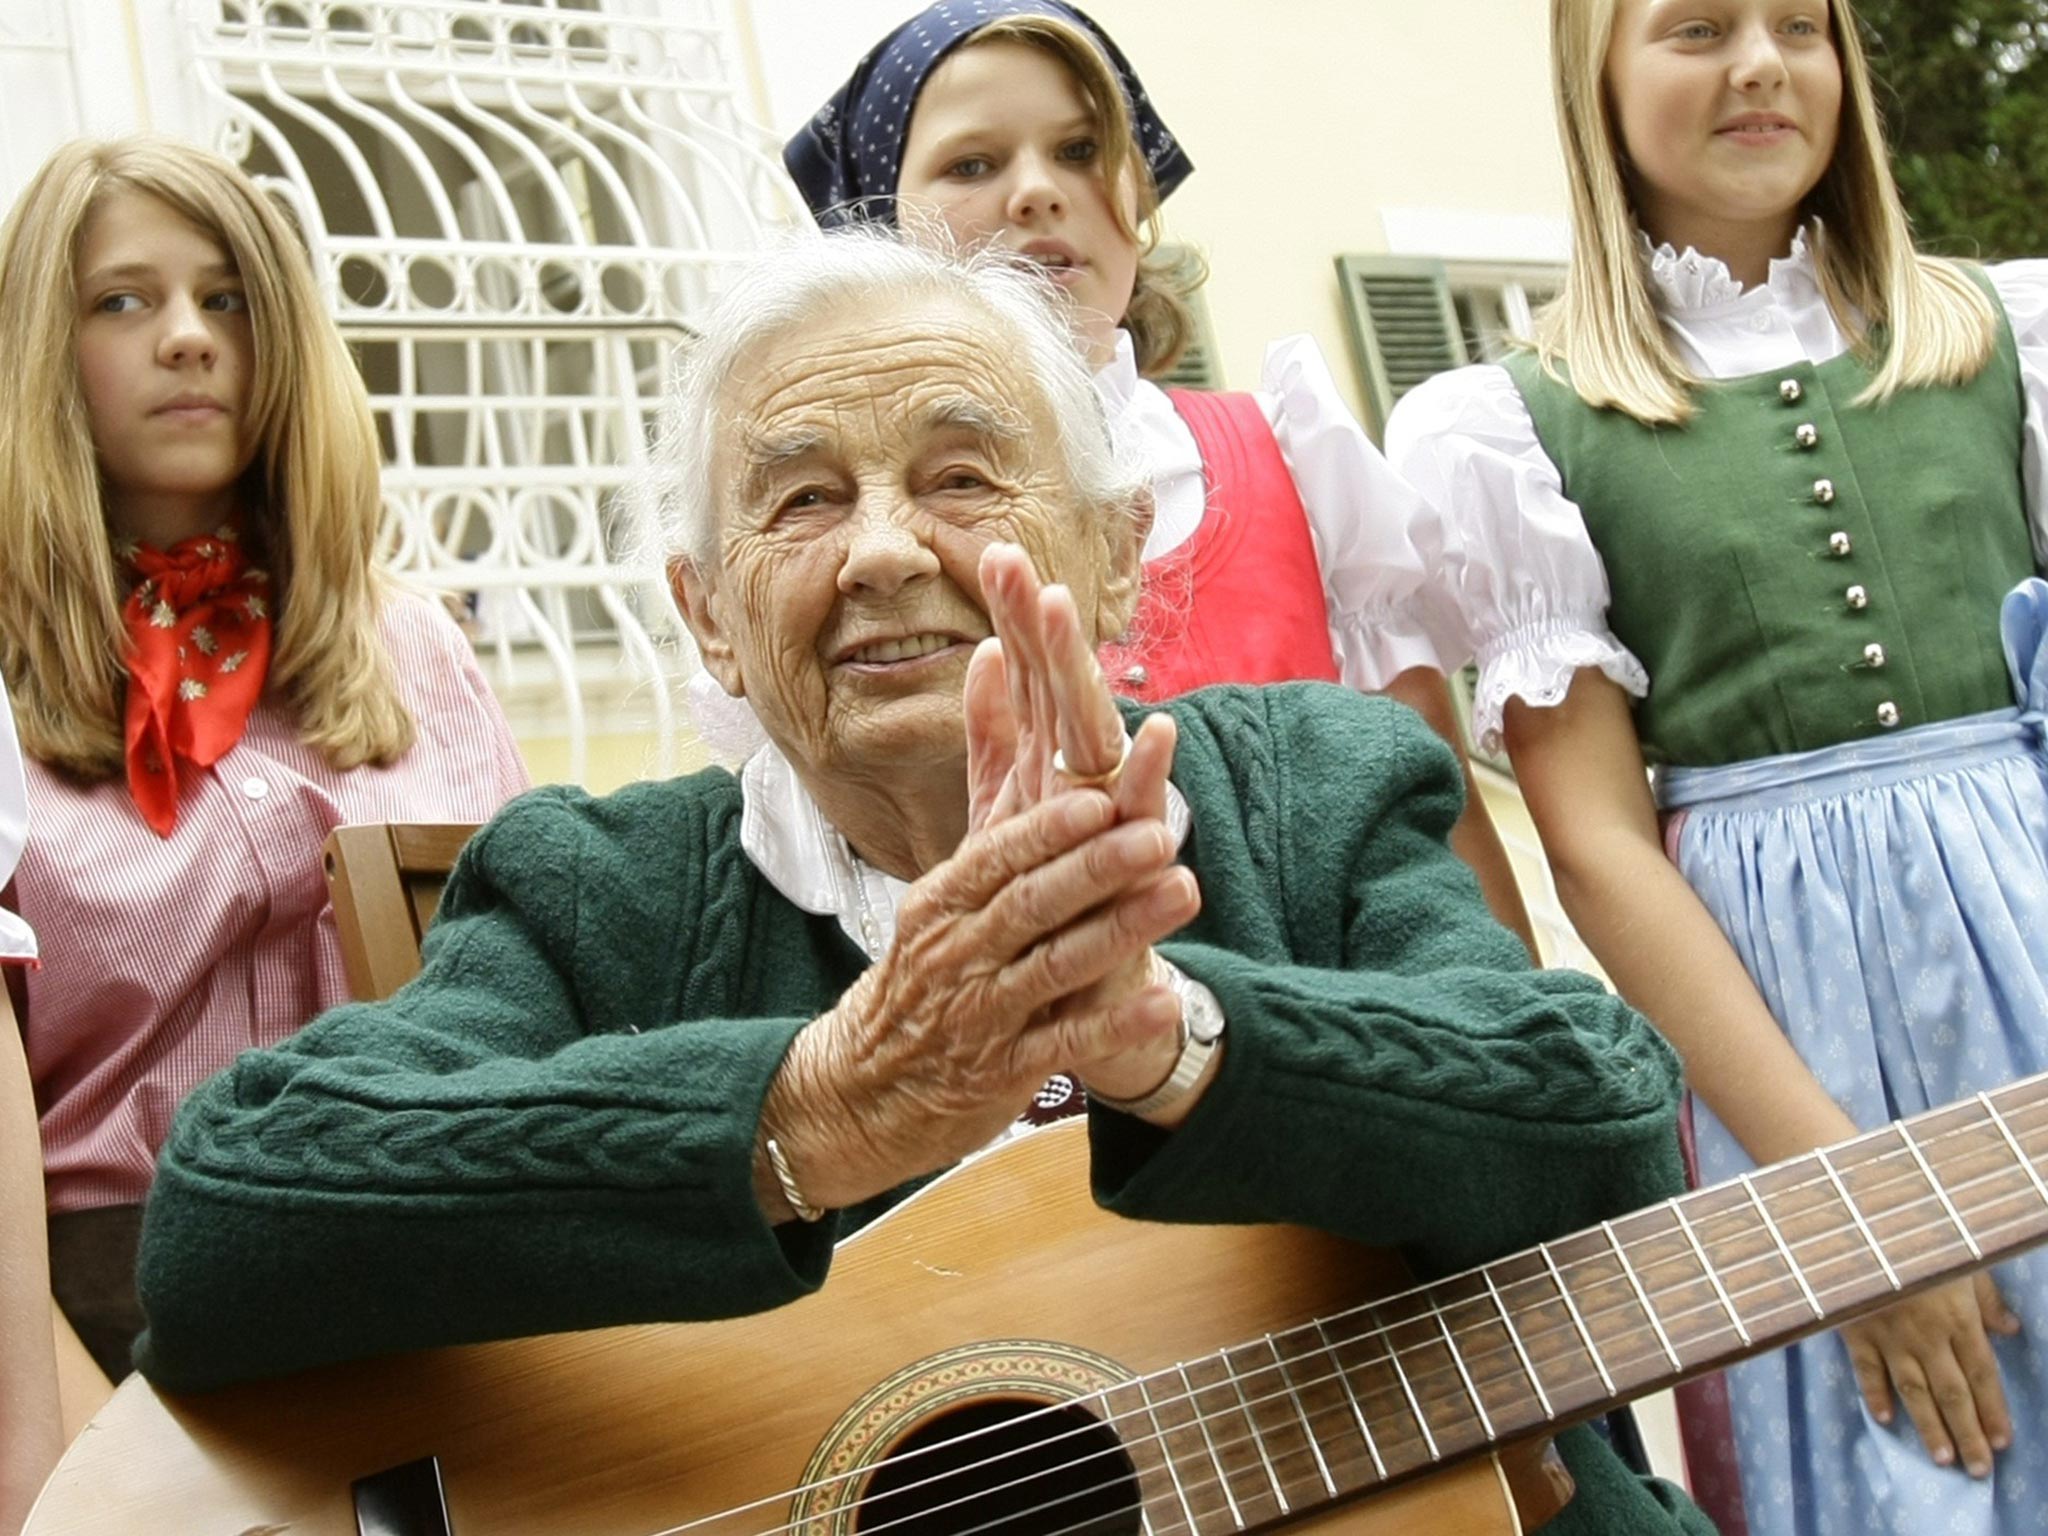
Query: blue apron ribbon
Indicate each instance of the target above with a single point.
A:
(1877, 760)
(2023, 624)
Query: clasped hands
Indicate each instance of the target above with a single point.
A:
(1027, 952)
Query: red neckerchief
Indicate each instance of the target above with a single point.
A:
(199, 645)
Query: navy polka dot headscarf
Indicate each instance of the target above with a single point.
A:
(846, 159)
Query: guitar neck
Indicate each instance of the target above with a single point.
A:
(1565, 1331)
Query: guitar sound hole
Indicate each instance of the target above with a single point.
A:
(1022, 1469)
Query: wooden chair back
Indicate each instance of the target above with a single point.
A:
(386, 879)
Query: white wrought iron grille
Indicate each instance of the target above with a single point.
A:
(516, 209)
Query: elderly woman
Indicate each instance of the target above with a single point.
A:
(668, 1046)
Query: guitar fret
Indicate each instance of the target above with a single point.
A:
(1791, 1264)
(1515, 1338)
(1414, 1405)
(1940, 1194)
(1166, 1455)
(1458, 1359)
(1372, 1447)
(1202, 1423)
(1713, 1275)
(1308, 1429)
(1258, 1436)
(2026, 1163)
(1856, 1215)
(1578, 1322)
(1643, 1296)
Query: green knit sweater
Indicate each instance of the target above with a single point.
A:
(553, 1126)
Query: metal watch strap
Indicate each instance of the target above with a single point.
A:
(1195, 1047)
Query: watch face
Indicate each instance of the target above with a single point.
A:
(1200, 1013)
(1204, 1015)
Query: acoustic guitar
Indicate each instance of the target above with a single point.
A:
(999, 1357)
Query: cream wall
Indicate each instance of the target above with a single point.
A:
(1307, 120)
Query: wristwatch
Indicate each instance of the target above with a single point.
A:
(1201, 1026)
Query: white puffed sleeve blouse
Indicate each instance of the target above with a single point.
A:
(1521, 567)
(1379, 543)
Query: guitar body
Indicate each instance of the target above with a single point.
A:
(998, 1286)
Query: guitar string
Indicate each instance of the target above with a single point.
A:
(1768, 1258)
(1251, 1437)
(1900, 1157)
(1217, 1479)
(1386, 1330)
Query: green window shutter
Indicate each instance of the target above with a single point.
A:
(1200, 366)
(1404, 326)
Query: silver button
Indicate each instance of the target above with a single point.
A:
(1887, 714)
(1857, 597)
(255, 788)
(1873, 655)
(1824, 492)
(1135, 677)
(1790, 392)
(1839, 543)
(1807, 435)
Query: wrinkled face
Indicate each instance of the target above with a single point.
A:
(165, 361)
(1729, 110)
(874, 452)
(1003, 147)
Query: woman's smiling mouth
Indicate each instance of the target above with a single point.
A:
(1757, 128)
(901, 648)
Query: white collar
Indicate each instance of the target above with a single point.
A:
(1144, 422)
(805, 857)
(1690, 283)
(1117, 380)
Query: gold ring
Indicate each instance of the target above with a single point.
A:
(1102, 781)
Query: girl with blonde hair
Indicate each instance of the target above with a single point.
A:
(1282, 547)
(209, 671)
(1762, 507)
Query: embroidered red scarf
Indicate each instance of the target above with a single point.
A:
(198, 623)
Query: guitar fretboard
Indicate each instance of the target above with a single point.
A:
(1564, 1331)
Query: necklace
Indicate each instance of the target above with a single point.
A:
(870, 926)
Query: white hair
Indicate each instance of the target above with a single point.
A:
(811, 274)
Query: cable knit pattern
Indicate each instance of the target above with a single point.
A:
(552, 1127)
(1366, 987)
(530, 1093)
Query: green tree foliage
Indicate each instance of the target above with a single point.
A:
(1964, 89)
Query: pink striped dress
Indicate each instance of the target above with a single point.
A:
(162, 958)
